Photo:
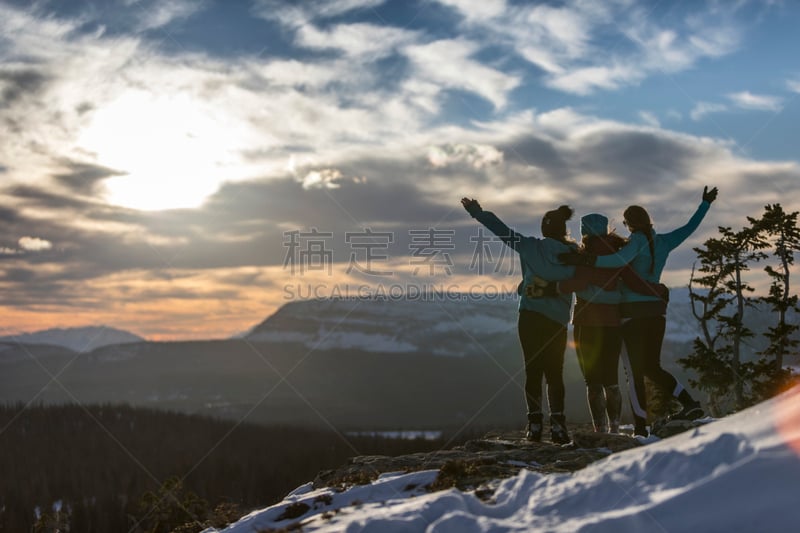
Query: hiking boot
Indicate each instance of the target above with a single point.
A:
(640, 427)
(558, 430)
(534, 431)
(613, 407)
(597, 407)
(690, 411)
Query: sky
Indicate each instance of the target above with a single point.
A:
(181, 169)
(675, 484)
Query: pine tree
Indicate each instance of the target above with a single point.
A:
(784, 235)
(720, 310)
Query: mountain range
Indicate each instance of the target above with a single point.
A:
(351, 364)
(83, 339)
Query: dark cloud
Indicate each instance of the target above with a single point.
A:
(182, 294)
(84, 107)
(51, 201)
(18, 83)
(530, 150)
(84, 178)
(8, 215)
(382, 200)
(23, 275)
(636, 156)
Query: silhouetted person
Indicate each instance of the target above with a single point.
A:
(542, 321)
(644, 316)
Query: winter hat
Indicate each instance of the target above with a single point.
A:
(594, 224)
(637, 218)
(554, 223)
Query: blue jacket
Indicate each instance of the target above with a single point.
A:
(637, 253)
(537, 257)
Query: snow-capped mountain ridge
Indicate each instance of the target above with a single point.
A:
(389, 326)
(83, 339)
(448, 327)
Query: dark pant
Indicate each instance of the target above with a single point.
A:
(643, 338)
(543, 344)
(598, 349)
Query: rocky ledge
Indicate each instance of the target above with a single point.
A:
(479, 464)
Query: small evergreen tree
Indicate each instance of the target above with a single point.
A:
(784, 234)
(720, 310)
(170, 508)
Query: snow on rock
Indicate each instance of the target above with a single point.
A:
(373, 342)
(737, 474)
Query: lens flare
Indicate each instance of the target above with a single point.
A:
(787, 418)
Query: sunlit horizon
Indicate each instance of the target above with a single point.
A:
(156, 161)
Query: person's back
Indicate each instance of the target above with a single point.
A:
(595, 305)
(542, 322)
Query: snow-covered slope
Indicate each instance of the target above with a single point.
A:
(737, 474)
(83, 339)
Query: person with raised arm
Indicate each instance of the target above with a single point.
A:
(542, 321)
(644, 316)
(596, 319)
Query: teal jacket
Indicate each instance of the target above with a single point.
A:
(637, 253)
(538, 257)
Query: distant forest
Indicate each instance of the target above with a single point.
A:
(118, 468)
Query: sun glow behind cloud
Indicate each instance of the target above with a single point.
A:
(175, 149)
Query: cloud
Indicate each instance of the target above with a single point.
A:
(297, 14)
(322, 179)
(160, 14)
(475, 156)
(84, 178)
(363, 40)
(649, 118)
(27, 244)
(477, 10)
(793, 85)
(584, 81)
(34, 244)
(570, 42)
(674, 114)
(17, 81)
(759, 102)
(701, 109)
(447, 64)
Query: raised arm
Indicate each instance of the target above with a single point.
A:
(493, 224)
(674, 238)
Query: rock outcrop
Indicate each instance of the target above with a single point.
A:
(479, 464)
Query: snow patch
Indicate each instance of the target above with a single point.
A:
(736, 474)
